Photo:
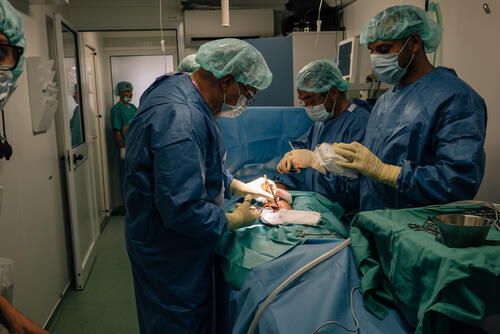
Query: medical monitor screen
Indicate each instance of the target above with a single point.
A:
(345, 58)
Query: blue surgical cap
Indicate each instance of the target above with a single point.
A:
(11, 25)
(319, 76)
(188, 64)
(230, 55)
(123, 86)
(399, 22)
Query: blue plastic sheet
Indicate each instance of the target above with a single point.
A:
(319, 295)
(256, 140)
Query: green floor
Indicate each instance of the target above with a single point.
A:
(107, 304)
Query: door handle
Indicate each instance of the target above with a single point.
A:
(77, 157)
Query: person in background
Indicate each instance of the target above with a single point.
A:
(12, 43)
(122, 114)
(74, 122)
(336, 120)
(424, 139)
(176, 182)
(188, 64)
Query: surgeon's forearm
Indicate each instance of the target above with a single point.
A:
(125, 129)
(118, 138)
(4, 308)
(16, 322)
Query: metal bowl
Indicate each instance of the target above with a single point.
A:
(458, 230)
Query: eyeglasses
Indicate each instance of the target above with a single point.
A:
(311, 101)
(248, 94)
(9, 56)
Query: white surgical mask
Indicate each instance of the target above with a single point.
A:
(7, 87)
(127, 99)
(318, 113)
(386, 66)
(236, 110)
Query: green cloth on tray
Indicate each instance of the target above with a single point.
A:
(423, 278)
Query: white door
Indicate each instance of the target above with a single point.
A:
(71, 130)
(94, 137)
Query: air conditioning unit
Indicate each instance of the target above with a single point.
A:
(205, 25)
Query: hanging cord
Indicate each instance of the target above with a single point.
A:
(341, 324)
(342, 19)
(3, 125)
(290, 279)
(318, 24)
(162, 42)
(435, 8)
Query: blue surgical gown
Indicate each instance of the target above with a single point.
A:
(174, 191)
(434, 128)
(347, 127)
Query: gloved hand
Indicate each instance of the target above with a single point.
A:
(296, 159)
(122, 153)
(256, 188)
(286, 164)
(244, 215)
(305, 159)
(367, 163)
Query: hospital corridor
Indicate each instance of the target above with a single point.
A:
(249, 167)
(102, 307)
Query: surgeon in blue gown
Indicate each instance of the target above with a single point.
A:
(176, 182)
(337, 120)
(424, 139)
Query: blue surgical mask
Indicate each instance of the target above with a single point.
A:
(386, 66)
(318, 113)
(7, 87)
(236, 110)
(127, 99)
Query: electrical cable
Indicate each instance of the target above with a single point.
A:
(493, 206)
(341, 324)
(290, 279)
(162, 42)
(376, 90)
(318, 24)
(342, 19)
(435, 8)
(4, 134)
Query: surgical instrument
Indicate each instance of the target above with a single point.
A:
(295, 170)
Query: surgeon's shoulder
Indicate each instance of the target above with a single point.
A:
(452, 85)
(458, 100)
(362, 111)
(176, 87)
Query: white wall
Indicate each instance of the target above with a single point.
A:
(33, 230)
(469, 47)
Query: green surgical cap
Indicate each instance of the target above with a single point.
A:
(399, 22)
(188, 64)
(319, 76)
(11, 25)
(123, 86)
(230, 55)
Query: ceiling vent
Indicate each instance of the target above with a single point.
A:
(205, 25)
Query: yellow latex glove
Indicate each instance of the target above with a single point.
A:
(297, 159)
(286, 165)
(367, 163)
(244, 215)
